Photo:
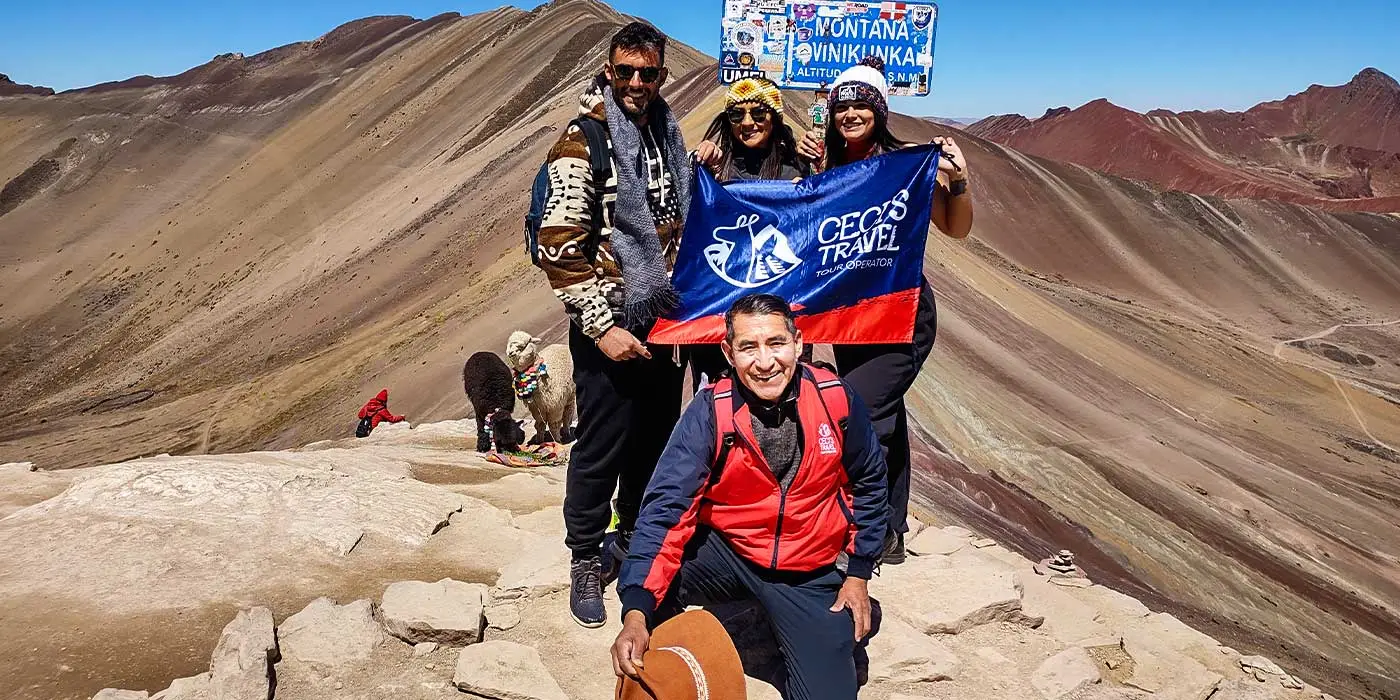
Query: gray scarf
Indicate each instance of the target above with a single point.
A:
(646, 284)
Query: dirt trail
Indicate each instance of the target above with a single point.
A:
(1360, 422)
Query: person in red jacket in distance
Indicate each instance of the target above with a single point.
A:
(376, 410)
(771, 474)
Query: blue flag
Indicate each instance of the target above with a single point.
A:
(845, 248)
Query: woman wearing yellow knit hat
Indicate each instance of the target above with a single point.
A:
(748, 140)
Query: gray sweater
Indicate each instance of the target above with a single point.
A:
(778, 432)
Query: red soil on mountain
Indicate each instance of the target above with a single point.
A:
(1333, 147)
(9, 87)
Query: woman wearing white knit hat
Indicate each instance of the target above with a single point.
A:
(858, 128)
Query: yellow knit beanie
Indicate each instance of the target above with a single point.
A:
(755, 90)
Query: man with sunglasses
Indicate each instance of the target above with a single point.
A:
(607, 243)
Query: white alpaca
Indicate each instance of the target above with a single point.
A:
(552, 400)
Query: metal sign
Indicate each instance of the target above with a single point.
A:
(801, 44)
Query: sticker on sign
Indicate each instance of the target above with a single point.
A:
(804, 44)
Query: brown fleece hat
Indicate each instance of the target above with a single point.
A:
(690, 657)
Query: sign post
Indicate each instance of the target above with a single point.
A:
(805, 44)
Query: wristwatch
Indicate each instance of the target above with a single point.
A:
(957, 187)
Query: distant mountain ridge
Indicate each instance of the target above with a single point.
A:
(1335, 147)
(9, 87)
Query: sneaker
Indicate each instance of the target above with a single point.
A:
(586, 591)
(894, 549)
(615, 547)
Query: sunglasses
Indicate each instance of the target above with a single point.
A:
(759, 115)
(625, 72)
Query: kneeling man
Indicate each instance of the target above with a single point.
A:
(770, 475)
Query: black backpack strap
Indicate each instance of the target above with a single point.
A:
(600, 167)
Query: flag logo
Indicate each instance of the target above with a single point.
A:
(750, 260)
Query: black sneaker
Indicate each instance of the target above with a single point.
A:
(894, 549)
(615, 547)
(586, 591)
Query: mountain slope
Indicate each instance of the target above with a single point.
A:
(1335, 147)
(237, 257)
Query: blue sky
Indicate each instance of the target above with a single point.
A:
(993, 56)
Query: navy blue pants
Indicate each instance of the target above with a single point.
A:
(817, 645)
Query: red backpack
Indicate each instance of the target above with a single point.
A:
(831, 391)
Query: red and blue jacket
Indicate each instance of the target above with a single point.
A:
(836, 502)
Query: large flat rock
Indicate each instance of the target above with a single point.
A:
(1067, 617)
(937, 541)
(241, 667)
(519, 493)
(168, 531)
(192, 688)
(446, 612)
(505, 671)
(939, 596)
(326, 636)
(536, 571)
(898, 653)
(1065, 673)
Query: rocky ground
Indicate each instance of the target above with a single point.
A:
(405, 566)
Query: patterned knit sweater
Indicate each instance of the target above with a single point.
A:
(591, 286)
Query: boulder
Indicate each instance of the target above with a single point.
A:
(535, 572)
(241, 668)
(546, 522)
(1167, 675)
(957, 531)
(505, 671)
(326, 635)
(1065, 673)
(502, 617)
(1067, 618)
(932, 541)
(519, 493)
(180, 531)
(899, 653)
(422, 649)
(192, 688)
(114, 694)
(1112, 604)
(937, 598)
(447, 612)
(1250, 663)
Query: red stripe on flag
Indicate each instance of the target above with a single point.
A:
(703, 330)
(884, 319)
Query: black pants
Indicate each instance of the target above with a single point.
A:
(817, 645)
(626, 412)
(880, 375)
(705, 359)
